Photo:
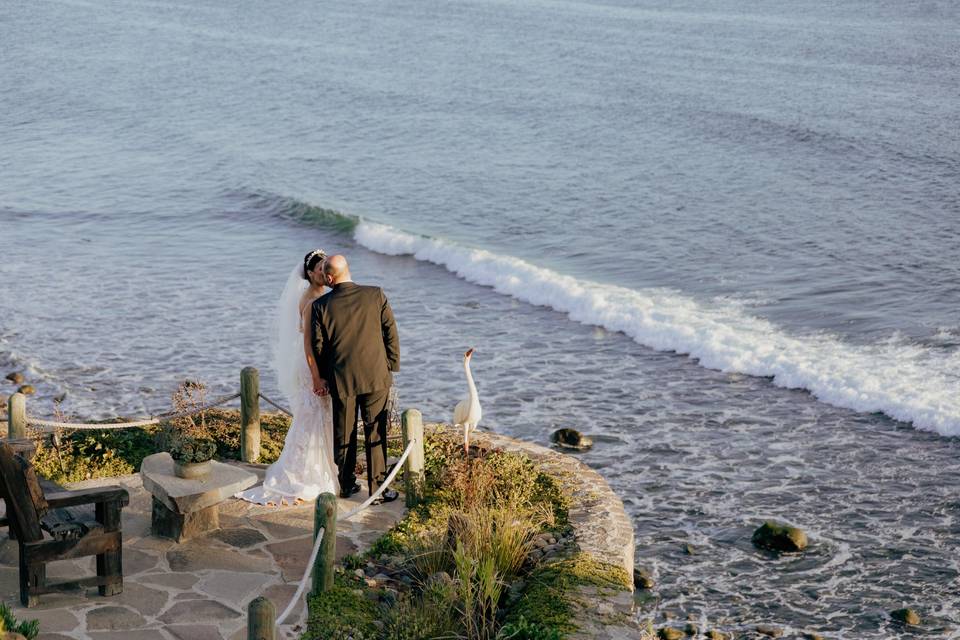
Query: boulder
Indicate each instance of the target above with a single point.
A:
(571, 439)
(809, 635)
(713, 634)
(779, 537)
(691, 629)
(26, 389)
(769, 630)
(15, 377)
(906, 616)
(642, 579)
(669, 633)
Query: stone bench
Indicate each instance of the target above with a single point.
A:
(184, 508)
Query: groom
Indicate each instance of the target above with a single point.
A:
(356, 347)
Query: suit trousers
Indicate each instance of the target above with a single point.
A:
(373, 412)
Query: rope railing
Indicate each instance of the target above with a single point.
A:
(287, 412)
(146, 422)
(303, 581)
(319, 539)
(276, 405)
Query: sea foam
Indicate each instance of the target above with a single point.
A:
(903, 381)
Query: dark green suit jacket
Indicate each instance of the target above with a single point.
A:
(355, 339)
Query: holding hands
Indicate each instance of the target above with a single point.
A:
(320, 387)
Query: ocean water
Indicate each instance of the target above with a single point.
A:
(720, 238)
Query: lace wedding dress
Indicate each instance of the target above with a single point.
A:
(306, 465)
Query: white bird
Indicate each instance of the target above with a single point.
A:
(467, 412)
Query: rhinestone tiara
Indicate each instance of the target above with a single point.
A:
(315, 252)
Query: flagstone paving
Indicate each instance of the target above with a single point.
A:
(196, 590)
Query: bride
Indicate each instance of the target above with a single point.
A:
(306, 465)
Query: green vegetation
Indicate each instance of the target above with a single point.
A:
(71, 456)
(459, 552)
(342, 612)
(523, 629)
(546, 602)
(29, 629)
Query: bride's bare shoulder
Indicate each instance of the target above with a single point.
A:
(307, 299)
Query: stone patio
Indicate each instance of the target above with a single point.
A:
(196, 590)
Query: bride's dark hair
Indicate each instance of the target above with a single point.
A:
(310, 261)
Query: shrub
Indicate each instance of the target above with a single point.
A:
(544, 603)
(523, 629)
(72, 456)
(426, 616)
(186, 437)
(28, 629)
(342, 612)
(475, 528)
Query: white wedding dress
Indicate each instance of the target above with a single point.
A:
(306, 465)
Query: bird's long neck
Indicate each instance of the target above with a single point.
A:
(474, 397)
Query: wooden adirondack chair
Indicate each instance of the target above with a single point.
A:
(95, 531)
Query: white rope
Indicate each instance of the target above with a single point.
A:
(80, 426)
(350, 514)
(282, 409)
(383, 487)
(306, 576)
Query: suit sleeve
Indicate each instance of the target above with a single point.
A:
(391, 340)
(317, 332)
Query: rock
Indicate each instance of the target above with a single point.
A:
(906, 616)
(26, 389)
(357, 573)
(689, 550)
(516, 590)
(440, 578)
(642, 579)
(768, 630)
(713, 634)
(60, 397)
(15, 377)
(779, 537)
(691, 629)
(668, 633)
(571, 439)
(812, 636)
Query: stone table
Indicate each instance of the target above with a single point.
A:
(183, 508)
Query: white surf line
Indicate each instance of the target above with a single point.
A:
(903, 382)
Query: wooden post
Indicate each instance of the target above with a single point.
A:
(249, 414)
(324, 517)
(413, 474)
(17, 416)
(261, 619)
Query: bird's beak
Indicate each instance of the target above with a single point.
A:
(468, 353)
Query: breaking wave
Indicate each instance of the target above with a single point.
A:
(904, 381)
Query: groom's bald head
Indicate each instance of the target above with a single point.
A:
(336, 270)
